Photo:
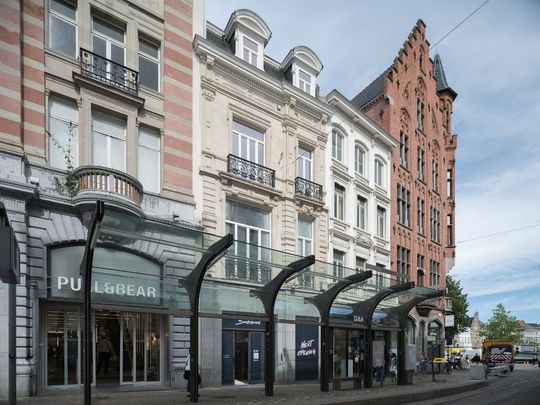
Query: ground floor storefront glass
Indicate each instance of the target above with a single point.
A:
(127, 347)
(348, 353)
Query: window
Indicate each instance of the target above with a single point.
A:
(63, 27)
(359, 159)
(108, 41)
(337, 146)
(420, 270)
(250, 51)
(449, 183)
(361, 212)
(435, 225)
(304, 247)
(149, 64)
(421, 215)
(63, 119)
(435, 176)
(449, 238)
(403, 263)
(381, 222)
(248, 143)
(404, 150)
(421, 164)
(304, 81)
(434, 276)
(304, 163)
(360, 264)
(379, 173)
(251, 226)
(419, 114)
(403, 205)
(339, 262)
(108, 141)
(339, 201)
(149, 159)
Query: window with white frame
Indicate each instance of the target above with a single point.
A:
(248, 143)
(304, 248)
(404, 150)
(108, 140)
(403, 205)
(360, 264)
(381, 222)
(359, 159)
(63, 129)
(149, 59)
(304, 81)
(250, 51)
(435, 225)
(361, 212)
(149, 168)
(379, 173)
(339, 263)
(305, 163)
(249, 226)
(63, 26)
(420, 215)
(337, 146)
(435, 176)
(339, 201)
(108, 41)
(421, 164)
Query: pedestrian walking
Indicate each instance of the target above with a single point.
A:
(392, 370)
(423, 363)
(187, 374)
(467, 362)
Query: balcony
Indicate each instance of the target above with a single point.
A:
(113, 186)
(308, 189)
(109, 73)
(251, 171)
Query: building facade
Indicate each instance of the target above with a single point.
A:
(413, 102)
(261, 172)
(96, 104)
(470, 338)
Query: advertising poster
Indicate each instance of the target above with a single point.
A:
(307, 352)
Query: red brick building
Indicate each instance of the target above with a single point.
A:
(413, 102)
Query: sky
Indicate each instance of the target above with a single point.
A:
(493, 62)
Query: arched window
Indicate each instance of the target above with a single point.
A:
(379, 172)
(410, 332)
(337, 145)
(359, 160)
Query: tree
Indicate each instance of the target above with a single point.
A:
(501, 326)
(460, 306)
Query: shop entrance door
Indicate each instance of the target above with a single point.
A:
(243, 360)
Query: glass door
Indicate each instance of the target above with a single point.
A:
(108, 41)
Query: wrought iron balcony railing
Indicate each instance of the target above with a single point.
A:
(308, 189)
(251, 171)
(108, 72)
(104, 179)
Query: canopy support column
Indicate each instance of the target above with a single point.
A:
(193, 283)
(86, 272)
(324, 302)
(268, 295)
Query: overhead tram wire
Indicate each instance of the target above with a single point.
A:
(498, 233)
(359, 109)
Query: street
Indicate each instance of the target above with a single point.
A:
(520, 387)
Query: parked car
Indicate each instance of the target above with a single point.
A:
(523, 357)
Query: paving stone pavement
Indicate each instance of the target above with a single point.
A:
(298, 394)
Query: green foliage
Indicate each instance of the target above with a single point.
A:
(501, 326)
(460, 306)
(71, 183)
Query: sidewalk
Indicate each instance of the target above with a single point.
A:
(300, 394)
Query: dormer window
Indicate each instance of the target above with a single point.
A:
(304, 81)
(250, 50)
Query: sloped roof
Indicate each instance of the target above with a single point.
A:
(440, 77)
(374, 89)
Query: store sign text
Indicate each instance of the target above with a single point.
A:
(307, 348)
(131, 290)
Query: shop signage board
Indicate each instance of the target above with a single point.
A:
(137, 282)
(306, 352)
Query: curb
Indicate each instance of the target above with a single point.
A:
(417, 396)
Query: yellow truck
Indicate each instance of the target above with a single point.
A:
(497, 353)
